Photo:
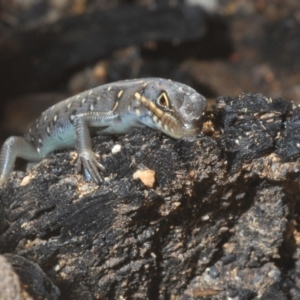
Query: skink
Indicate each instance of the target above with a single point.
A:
(171, 107)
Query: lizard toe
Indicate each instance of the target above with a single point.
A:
(88, 161)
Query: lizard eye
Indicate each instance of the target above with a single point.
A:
(163, 100)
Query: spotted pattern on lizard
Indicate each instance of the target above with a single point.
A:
(171, 107)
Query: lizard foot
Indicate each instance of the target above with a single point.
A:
(88, 160)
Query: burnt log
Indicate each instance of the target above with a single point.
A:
(221, 219)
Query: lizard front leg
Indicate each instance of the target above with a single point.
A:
(86, 157)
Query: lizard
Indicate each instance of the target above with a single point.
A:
(168, 106)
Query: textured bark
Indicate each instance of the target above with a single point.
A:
(222, 219)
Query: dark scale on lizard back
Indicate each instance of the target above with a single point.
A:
(72, 115)
(53, 120)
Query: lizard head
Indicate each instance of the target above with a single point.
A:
(171, 107)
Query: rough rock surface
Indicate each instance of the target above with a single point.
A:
(221, 221)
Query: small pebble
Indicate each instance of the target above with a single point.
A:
(116, 149)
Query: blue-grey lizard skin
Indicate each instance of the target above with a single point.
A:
(171, 107)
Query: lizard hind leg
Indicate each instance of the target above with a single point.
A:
(15, 147)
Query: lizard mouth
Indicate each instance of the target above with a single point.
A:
(166, 122)
(172, 127)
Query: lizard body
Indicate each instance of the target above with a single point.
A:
(171, 107)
